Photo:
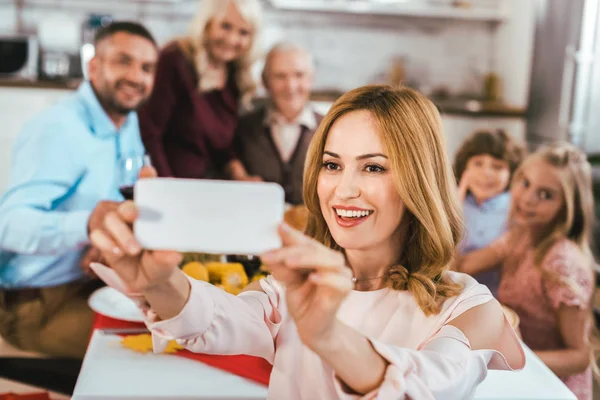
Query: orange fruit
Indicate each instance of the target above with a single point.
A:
(196, 270)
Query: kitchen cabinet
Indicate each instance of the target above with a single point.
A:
(18, 105)
(491, 11)
(458, 127)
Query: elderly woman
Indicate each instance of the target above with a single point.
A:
(362, 305)
(201, 80)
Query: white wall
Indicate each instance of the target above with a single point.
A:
(351, 50)
(18, 105)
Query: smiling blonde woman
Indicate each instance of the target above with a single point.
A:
(363, 305)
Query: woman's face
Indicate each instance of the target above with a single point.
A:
(537, 195)
(228, 36)
(488, 176)
(358, 198)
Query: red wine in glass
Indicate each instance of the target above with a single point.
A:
(127, 192)
(129, 171)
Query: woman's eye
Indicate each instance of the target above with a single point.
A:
(544, 195)
(374, 168)
(226, 26)
(525, 183)
(330, 166)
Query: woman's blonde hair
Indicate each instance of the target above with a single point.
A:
(575, 220)
(193, 44)
(411, 132)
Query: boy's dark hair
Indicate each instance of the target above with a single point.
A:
(497, 144)
(133, 28)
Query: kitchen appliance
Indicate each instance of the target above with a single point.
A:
(55, 65)
(19, 57)
(564, 100)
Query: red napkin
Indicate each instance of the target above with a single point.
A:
(254, 368)
(25, 396)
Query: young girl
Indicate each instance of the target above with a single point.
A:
(484, 165)
(547, 276)
(365, 304)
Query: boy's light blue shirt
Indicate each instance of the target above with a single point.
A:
(485, 223)
(64, 162)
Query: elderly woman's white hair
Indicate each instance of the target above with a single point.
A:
(194, 44)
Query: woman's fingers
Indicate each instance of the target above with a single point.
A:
(288, 276)
(128, 211)
(340, 283)
(290, 236)
(163, 257)
(108, 248)
(147, 172)
(121, 234)
(306, 256)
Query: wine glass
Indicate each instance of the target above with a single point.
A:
(129, 172)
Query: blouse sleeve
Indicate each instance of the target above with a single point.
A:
(212, 320)
(444, 366)
(216, 322)
(156, 113)
(568, 278)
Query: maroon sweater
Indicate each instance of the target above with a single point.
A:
(187, 134)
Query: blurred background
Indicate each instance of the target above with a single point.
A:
(526, 66)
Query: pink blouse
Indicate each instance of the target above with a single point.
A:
(427, 357)
(536, 294)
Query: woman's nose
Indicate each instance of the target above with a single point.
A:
(233, 39)
(348, 186)
(530, 196)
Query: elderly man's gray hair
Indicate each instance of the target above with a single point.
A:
(287, 47)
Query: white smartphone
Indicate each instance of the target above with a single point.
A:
(208, 216)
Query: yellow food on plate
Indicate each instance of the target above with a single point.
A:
(230, 277)
(258, 276)
(196, 270)
(234, 281)
(143, 344)
(216, 270)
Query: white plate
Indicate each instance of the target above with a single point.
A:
(114, 304)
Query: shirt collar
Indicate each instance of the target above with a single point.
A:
(306, 118)
(100, 123)
(496, 202)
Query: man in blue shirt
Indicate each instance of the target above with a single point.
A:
(63, 181)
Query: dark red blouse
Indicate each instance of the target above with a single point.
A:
(187, 134)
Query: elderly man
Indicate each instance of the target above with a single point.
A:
(62, 185)
(271, 142)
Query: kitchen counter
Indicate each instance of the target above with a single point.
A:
(70, 84)
(451, 106)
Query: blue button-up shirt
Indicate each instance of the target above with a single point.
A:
(64, 161)
(485, 223)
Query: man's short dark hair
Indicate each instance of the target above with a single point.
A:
(130, 27)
